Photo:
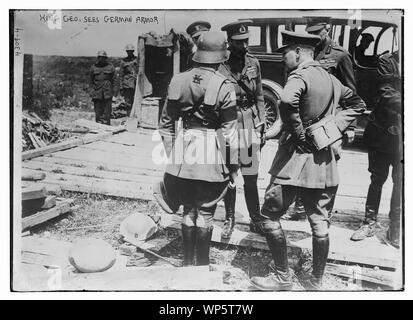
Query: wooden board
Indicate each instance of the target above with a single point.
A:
(148, 279)
(33, 192)
(26, 176)
(95, 126)
(62, 207)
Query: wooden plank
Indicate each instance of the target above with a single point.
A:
(61, 207)
(148, 279)
(32, 176)
(45, 246)
(382, 277)
(33, 140)
(51, 189)
(33, 192)
(42, 162)
(67, 144)
(86, 172)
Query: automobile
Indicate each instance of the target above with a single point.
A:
(346, 31)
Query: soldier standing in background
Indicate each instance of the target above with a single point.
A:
(203, 156)
(310, 96)
(244, 71)
(194, 30)
(127, 76)
(102, 78)
(383, 137)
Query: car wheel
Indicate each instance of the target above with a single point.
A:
(272, 114)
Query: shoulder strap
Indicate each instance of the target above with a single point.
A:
(244, 87)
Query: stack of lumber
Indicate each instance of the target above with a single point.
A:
(39, 205)
(37, 133)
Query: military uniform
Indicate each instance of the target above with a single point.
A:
(102, 77)
(128, 74)
(383, 138)
(244, 71)
(298, 168)
(203, 154)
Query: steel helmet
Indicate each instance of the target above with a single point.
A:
(211, 48)
(138, 226)
(129, 47)
(102, 53)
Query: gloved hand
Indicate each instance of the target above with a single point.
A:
(349, 136)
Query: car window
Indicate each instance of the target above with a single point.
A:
(255, 36)
(336, 31)
(279, 37)
(386, 42)
(374, 31)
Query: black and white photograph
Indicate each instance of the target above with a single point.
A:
(214, 150)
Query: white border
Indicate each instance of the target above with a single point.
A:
(214, 4)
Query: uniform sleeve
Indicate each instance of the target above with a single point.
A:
(289, 107)
(259, 95)
(354, 106)
(170, 114)
(228, 133)
(121, 75)
(345, 71)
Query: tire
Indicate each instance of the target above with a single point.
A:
(272, 114)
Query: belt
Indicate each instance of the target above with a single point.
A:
(196, 123)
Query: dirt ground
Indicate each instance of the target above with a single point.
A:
(98, 216)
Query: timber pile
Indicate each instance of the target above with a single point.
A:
(37, 133)
(39, 205)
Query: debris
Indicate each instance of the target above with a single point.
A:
(33, 176)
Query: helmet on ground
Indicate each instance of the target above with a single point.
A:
(211, 48)
(138, 226)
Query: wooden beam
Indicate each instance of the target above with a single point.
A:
(92, 125)
(68, 144)
(61, 207)
(32, 176)
(33, 192)
(381, 277)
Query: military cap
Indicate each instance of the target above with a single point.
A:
(290, 38)
(237, 30)
(195, 28)
(315, 24)
(102, 53)
(129, 47)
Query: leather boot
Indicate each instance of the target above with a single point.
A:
(188, 244)
(314, 280)
(281, 279)
(229, 202)
(253, 202)
(368, 226)
(203, 242)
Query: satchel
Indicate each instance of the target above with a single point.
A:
(324, 132)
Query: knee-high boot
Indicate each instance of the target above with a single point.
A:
(252, 201)
(281, 279)
(203, 242)
(188, 244)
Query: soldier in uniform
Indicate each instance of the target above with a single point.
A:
(309, 95)
(244, 71)
(102, 78)
(128, 75)
(202, 156)
(336, 60)
(194, 30)
(383, 137)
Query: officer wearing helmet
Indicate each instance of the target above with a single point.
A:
(102, 78)
(302, 165)
(244, 71)
(128, 75)
(202, 156)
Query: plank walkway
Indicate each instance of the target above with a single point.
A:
(127, 164)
